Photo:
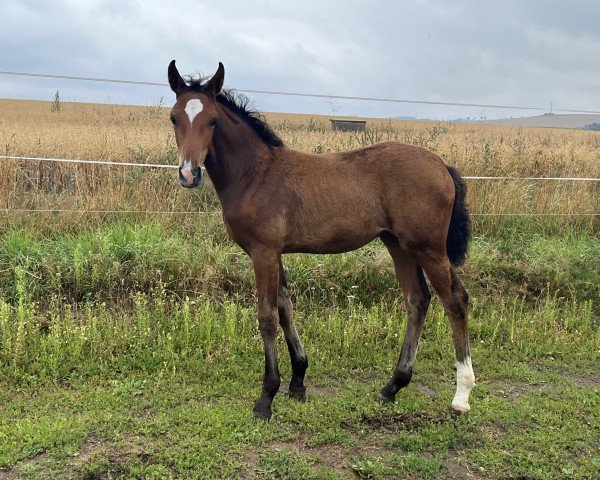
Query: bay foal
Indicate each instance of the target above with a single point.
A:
(276, 200)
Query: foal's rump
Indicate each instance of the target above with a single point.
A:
(420, 193)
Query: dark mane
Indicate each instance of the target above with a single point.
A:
(240, 106)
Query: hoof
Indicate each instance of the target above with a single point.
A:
(382, 398)
(298, 394)
(262, 414)
(460, 408)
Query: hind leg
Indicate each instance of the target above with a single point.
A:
(297, 355)
(455, 299)
(416, 299)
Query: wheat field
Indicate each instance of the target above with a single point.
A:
(143, 134)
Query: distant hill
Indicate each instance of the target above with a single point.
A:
(550, 120)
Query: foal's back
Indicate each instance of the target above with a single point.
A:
(337, 202)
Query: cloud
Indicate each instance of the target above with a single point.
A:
(509, 52)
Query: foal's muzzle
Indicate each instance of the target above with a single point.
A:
(190, 177)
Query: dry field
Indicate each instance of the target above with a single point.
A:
(143, 134)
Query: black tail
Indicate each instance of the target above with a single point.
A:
(459, 232)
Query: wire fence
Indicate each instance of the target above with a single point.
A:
(198, 212)
(215, 212)
(293, 94)
(281, 93)
(88, 162)
(158, 165)
(309, 95)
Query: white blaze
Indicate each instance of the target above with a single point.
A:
(193, 108)
(465, 381)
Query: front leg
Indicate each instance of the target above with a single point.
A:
(266, 270)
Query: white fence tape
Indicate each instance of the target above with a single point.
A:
(218, 212)
(155, 165)
(90, 162)
(158, 212)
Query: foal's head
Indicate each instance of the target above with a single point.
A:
(194, 117)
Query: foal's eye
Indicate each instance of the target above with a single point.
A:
(173, 120)
(212, 122)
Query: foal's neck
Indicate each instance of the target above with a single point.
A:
(238, 157)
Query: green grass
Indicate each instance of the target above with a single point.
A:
(195, 421)
(123, 355)
(109, 262)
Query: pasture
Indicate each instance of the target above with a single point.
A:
(123, 356)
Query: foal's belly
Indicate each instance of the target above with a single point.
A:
(331, 239)
(326, 248)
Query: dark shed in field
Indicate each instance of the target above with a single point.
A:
(348, 125)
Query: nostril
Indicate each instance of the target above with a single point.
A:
(190, 175)
(185, 175)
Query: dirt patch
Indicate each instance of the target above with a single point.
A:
(456, 468)
(250, 463)
(584, 380)
(395, 422)
(334, 457)
(21, 467)
(372, 443)
(430, 392)
(514, 391)
(96, 459)
(493, 431)
(322, 390)
(99, 459)
(93, 444)
(324, 387)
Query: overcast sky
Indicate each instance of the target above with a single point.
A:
(509, 52)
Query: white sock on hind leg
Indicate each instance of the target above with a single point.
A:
(465, 381)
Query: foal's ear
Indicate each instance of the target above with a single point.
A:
(177, 83)
(214, 85)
